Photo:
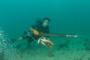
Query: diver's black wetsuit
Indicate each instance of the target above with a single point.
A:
(40, 29)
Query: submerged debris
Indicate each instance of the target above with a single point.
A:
(86, 39)
(86, 44)
(0, 58)
(87, 48)
(64, 45)
(81, 57)
(89, 58)
(51, 55)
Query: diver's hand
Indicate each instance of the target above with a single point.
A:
(20, 38)
(35, 32)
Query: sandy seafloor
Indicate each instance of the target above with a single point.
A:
(66, 49)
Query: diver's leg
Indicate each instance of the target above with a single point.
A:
(25, 36)
(21, 38)
(27, 45)
(29, 41)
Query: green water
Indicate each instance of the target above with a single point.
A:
(67, 16)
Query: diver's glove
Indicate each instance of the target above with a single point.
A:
(35, 32)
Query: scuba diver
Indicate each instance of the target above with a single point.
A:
(41, 26)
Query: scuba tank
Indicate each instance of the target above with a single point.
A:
(38, 22)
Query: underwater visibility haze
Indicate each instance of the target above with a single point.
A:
(66, 17)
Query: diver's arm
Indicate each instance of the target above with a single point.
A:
(31, 29)
(24, 36)
(35, 32)
(20, 38)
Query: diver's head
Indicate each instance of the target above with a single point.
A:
(46, 21)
